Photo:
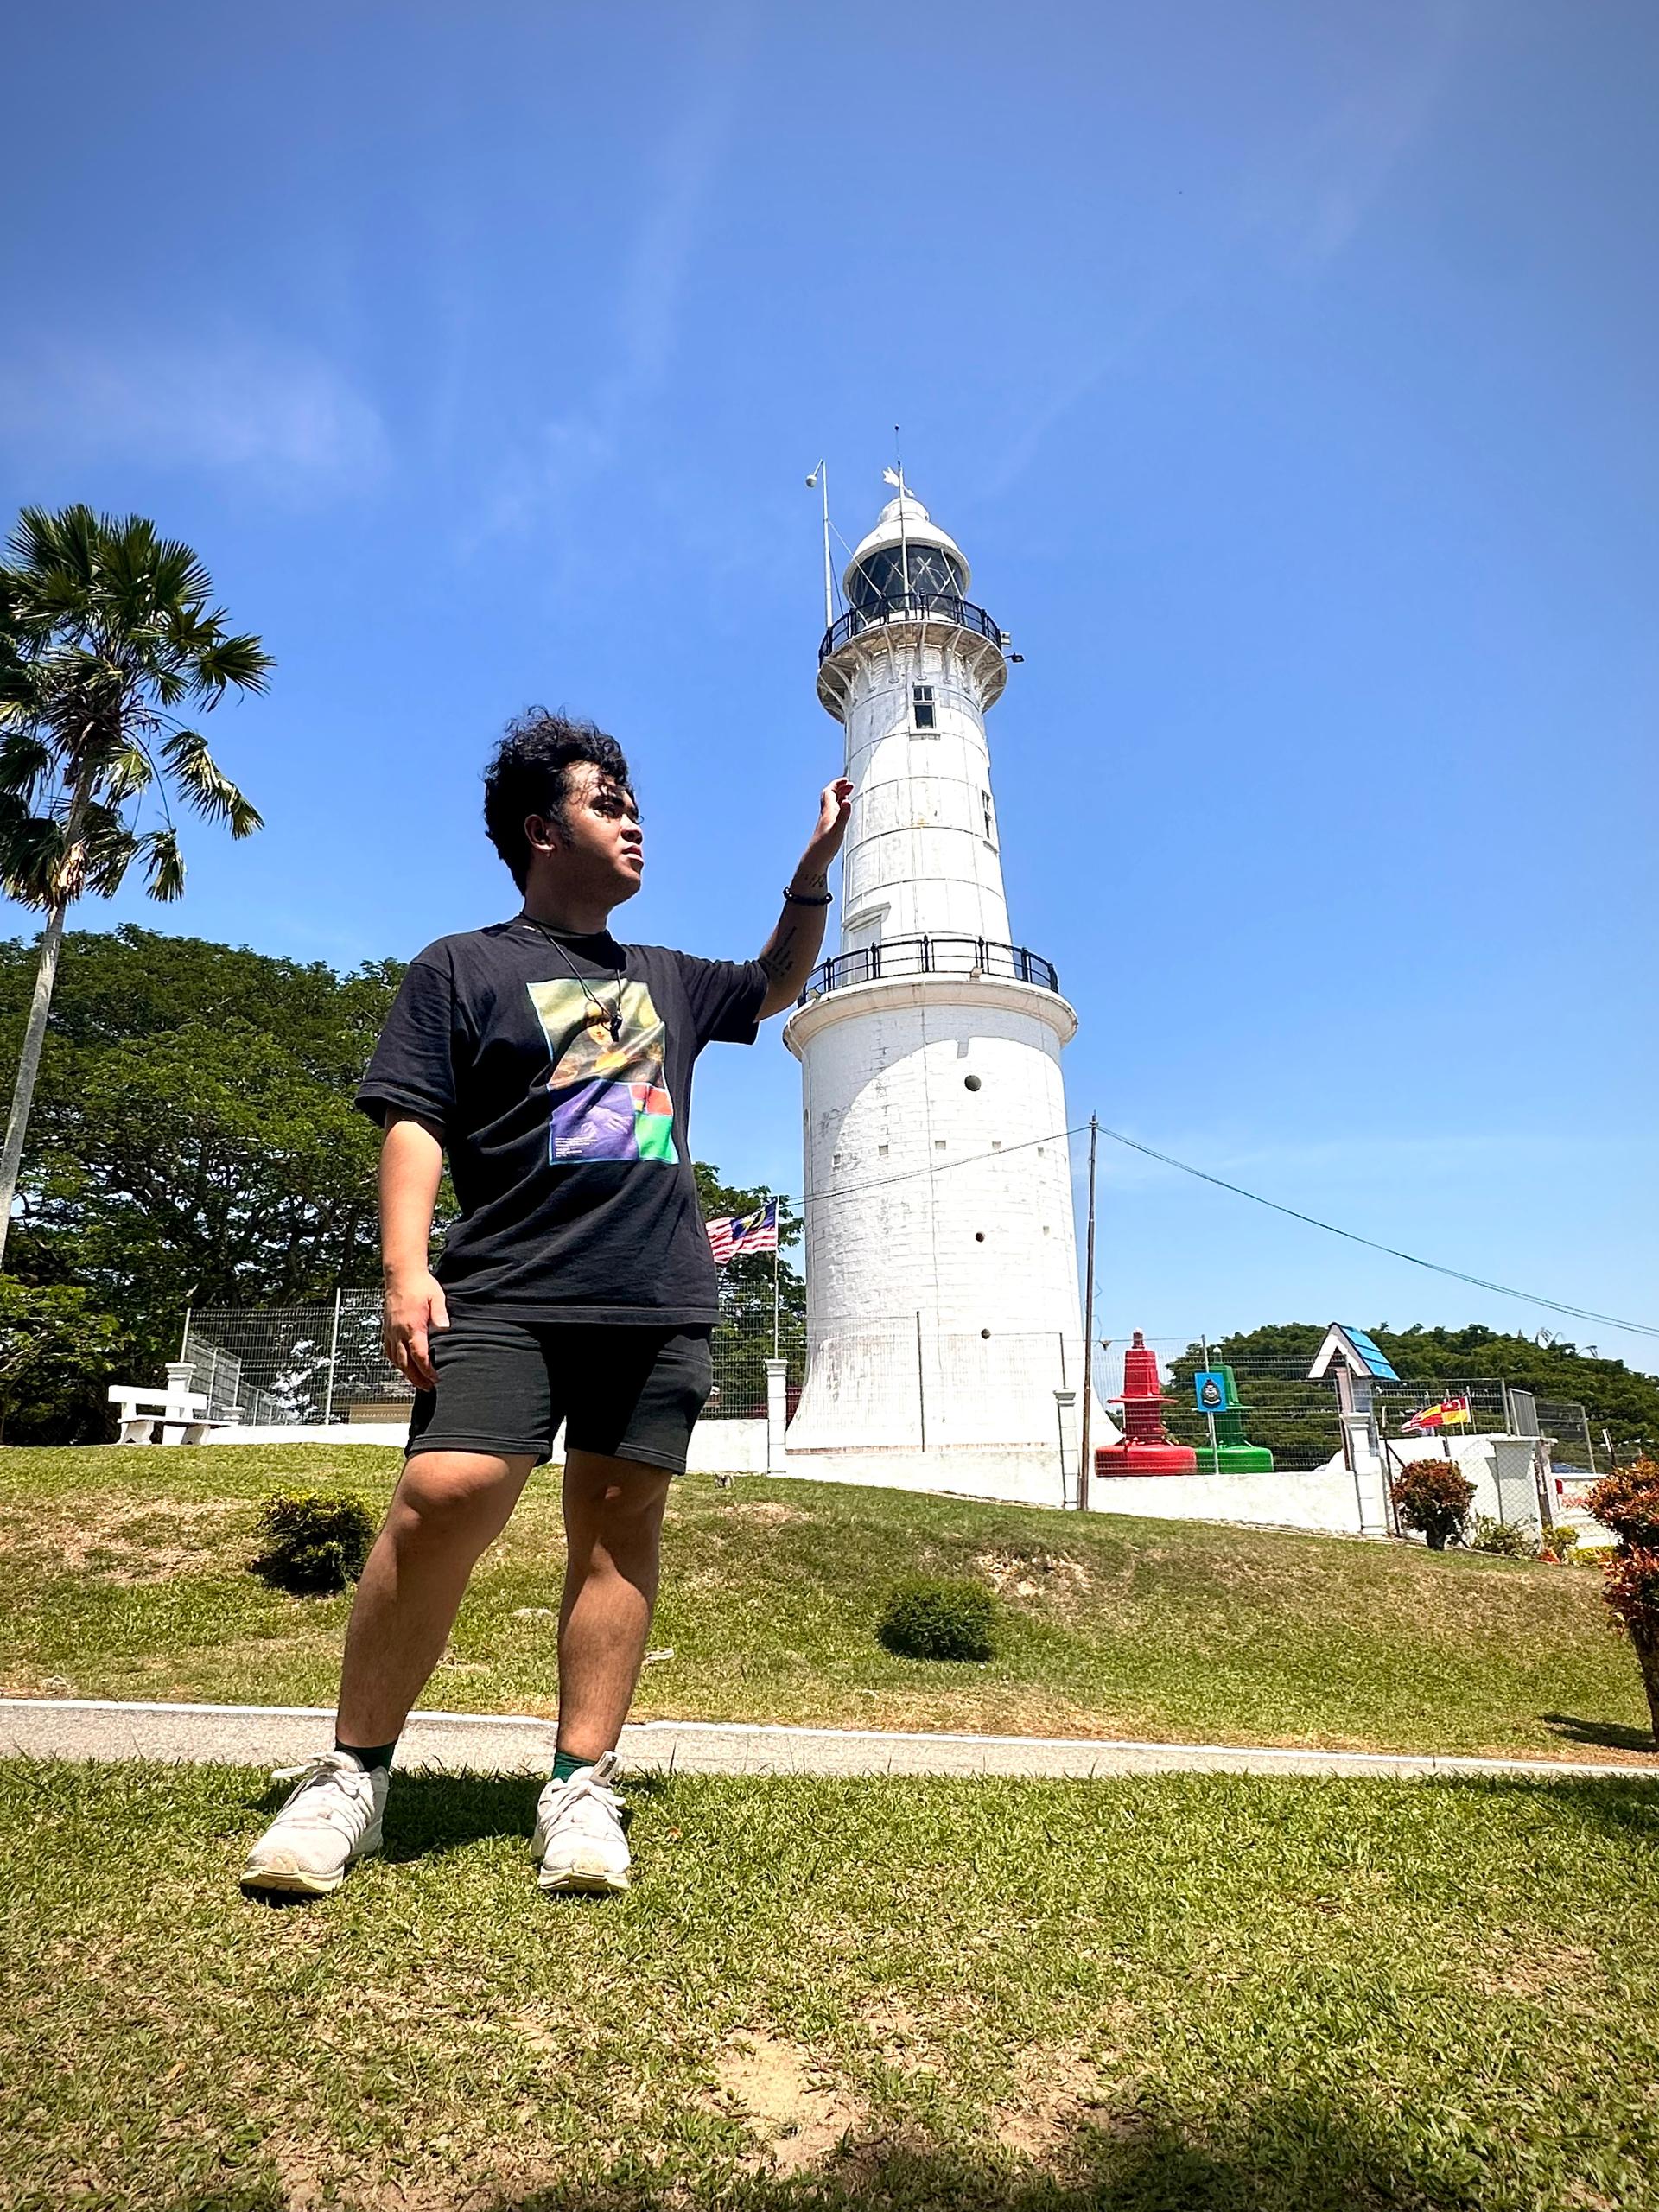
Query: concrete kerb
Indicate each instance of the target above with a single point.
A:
(491, 1744)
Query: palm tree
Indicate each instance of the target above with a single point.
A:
(106, 628)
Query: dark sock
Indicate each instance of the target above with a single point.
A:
(372, 1755)
(566, 1763)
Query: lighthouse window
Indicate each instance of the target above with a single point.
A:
(921, 705)
(970, 1083)
(990, 819)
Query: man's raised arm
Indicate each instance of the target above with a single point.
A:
(790, 951)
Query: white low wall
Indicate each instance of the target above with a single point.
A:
(1330, 1497)
(1000, 1474)
(1324, 1498)
(718, 1447)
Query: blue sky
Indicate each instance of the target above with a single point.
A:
(1286, 370)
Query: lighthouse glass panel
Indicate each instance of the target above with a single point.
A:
(878, 582)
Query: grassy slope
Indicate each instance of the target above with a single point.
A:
(123, 1574)
(1164, 1994)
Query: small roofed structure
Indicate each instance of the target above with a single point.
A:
(1352, 1351)
(1143, 1449)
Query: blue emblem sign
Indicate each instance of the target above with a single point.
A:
(1210, 1388)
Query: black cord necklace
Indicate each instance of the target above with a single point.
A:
(596, 1012)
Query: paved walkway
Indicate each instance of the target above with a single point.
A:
(276, 1735)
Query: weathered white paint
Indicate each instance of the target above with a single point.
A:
(941, 1262)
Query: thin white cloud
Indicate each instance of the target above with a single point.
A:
(573, 448)
(1318, 190)
(1303, 208)
(282, 415)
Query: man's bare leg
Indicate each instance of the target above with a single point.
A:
(448, 1507)
(613, 1526)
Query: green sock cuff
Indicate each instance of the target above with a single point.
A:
(565, 1764)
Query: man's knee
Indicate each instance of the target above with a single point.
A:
(618, 1499)
(448, 1496)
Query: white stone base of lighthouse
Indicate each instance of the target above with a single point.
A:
(944, 1323)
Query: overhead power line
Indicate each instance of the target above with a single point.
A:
(1433, 1267)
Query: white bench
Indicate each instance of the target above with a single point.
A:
(176, 1415)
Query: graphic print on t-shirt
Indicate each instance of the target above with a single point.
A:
(610, 1101)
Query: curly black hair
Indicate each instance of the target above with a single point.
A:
(528, 773)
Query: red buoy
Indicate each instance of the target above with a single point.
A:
(1145, 1449)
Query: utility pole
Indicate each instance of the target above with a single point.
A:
(1085, 1470)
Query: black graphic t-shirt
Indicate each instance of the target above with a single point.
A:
(559, 1071)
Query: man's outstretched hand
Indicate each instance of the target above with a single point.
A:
(833, 809)
(789, 952)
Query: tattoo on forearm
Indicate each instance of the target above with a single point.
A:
(777, 960)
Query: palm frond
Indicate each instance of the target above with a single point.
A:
(131, 772)
(31, 849)
(163, 864)
(110, 850)
(25, 760)
(242, 661)
(204, 784)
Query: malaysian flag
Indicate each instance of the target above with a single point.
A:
(733, 1236)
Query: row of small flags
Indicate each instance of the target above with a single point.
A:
(733, 1236)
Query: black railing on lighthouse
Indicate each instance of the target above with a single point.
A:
(907, 607)
(931, 956)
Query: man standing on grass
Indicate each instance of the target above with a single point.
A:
(552, 1065)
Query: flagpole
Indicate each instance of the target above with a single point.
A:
(904, 538)
(821, 476)
(774, 1301)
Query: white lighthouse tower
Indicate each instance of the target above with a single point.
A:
(945, 1334)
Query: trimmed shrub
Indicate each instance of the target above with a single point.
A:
(940, 1619)
(1505, 1538)
(315, 1541)
(1434, 1495)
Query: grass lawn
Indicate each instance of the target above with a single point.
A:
(123, 1574)
(1183, 1992)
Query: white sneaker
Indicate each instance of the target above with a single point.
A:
(578, 1844)
(330, 1819)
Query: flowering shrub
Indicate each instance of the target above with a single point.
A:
(1630, 1586)
(1434, 1497)
(1627, 1502)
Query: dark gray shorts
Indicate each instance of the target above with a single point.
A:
(505, 1386)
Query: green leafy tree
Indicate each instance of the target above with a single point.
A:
(56, 1352)
(106, 630)
(193, 1136)
(742, 1341)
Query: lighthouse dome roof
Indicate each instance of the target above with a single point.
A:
(906, 552)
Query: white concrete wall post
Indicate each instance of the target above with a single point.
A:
(777, 1413)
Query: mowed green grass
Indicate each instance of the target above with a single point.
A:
(1180, 1993)
(123, 1574)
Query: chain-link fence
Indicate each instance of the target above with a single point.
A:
(891, 1384)
(289, 1366)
